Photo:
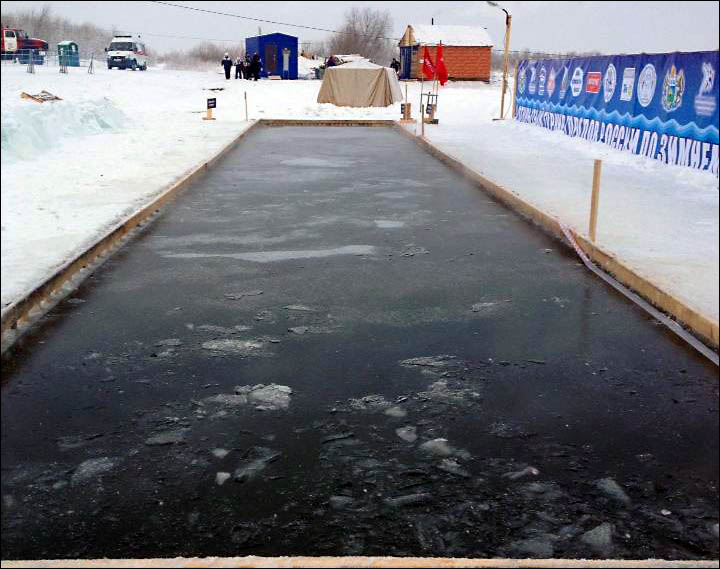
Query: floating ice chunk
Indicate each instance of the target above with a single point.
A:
(369, 403)
(408, 500)
(220, 452)
(452, 466)
(611, 488)
(396, 411)
(270, 397)
(222, 477)
(299, 307)
(241, 295)
(429, 361)
(240, 347)
(439, 447)
(168, 437)
(300, 330)
(389, 224)
(169, 342)
(340, 502)
(256, 460)
(408, 434)
(92, 468)
(266, 397)
(528, 471)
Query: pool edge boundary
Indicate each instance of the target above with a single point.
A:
(21, 314)
(352, 561)
(703, 327)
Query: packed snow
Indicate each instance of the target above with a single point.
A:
(74, 168)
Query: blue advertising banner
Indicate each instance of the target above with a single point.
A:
(664, 106)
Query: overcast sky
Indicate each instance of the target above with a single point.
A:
(609, 27)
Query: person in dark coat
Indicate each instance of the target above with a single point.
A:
(396, 66)
(247, 68)
(239, 68)
(255, 66)
(227, 64)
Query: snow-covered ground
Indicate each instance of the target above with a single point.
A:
(72, 169)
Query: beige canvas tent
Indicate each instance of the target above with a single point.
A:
(360, 84)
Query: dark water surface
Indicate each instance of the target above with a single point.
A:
(387, 293)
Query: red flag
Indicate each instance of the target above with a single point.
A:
(442, 73)
(428, 68)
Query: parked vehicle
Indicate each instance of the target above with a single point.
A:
(17, 44)
(126, 52)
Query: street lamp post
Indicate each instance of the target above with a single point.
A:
(506, 57)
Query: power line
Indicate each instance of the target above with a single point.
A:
(271, 21)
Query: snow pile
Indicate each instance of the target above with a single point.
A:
(30, 129)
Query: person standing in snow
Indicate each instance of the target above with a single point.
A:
(255, 66)
(246, 69)
(227, 64)
(239, 68)
(396, 66)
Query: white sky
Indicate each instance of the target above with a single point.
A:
(609, 27)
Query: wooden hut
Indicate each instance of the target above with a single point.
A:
(466, 50)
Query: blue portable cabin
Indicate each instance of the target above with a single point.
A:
(278, 52)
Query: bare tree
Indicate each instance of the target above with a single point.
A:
(365, 31)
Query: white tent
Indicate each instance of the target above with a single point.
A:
(360, 84)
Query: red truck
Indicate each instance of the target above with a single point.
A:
(17, 44)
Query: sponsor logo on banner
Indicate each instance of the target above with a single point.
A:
(626, 91)
(705, 100)
(522, 80)
(541, 80)
(609, 83)
(551, 82)
(565, 83)
(576, 82)
(533, 80)
(646, 85)
(594, 80)
(673, 89)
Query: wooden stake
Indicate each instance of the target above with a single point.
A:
(597, 169)
(508, 25)
(208, 116)
(246, 110)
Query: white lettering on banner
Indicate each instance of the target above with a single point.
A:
(664, 148)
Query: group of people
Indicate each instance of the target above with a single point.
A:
(244, 68)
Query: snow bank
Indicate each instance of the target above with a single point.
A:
(29, 129)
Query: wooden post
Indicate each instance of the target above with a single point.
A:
(514, 98)
(246, 110)
(508, 25)
(208, 116)
(597, 169)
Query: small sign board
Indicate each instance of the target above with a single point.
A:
(212, 103)
(402, 108)
(429, 108)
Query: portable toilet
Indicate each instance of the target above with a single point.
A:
(68, 53)
(278, 52)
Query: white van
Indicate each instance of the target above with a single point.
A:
(126, 52)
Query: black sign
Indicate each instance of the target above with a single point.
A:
(429, 108)
(402, 108)
(212, 103)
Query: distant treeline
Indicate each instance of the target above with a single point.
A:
(515, 56)
(201, 56)
(42, 23)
